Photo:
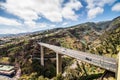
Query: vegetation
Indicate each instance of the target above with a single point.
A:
(88, 37)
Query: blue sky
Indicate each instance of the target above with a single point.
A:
(18, 16)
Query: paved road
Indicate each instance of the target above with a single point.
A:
(97, 60)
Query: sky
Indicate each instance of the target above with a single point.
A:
(19, 16)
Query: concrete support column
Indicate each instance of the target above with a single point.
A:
(118, 70)
(59, 63)
(42, 55)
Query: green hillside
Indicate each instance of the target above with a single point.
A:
(100, 38)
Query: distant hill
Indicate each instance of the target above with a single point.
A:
(14, 35)
(98, 27)
(6, 35)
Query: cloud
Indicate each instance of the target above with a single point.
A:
(9, 22)
(53, 10)
(95, 7)
(14, 30)
(65, 23)
(40, 26)
(116, 7)
(30, 12)
(92, 13)
(30, 23)
(68, 11)
(11, 31)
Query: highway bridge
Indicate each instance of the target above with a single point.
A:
(106, 63)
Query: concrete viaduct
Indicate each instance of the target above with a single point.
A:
(106, 63)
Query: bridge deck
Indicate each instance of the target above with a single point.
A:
(97, 60)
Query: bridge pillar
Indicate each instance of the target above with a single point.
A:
(59, 62)
(42, 55)
(118, 70)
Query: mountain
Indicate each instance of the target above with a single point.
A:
(6, 35)
(98, 27)
(101, 38)
(15, 35)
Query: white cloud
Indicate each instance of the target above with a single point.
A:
(30, 23)
(53, 25)
(53, 10)
(98, 3)
(11, 31)
(65, 23)
(95, 7)
(94, 12)
(31, 10)
(42, 25)
(9, 22)
(69, 14)
(24, 28)
(116, 7)
(68, 11)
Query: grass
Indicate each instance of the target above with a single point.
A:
(4, 60)
(91, 77)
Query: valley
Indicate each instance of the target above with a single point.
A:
(101, 38)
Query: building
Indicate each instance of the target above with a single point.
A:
(7, 70)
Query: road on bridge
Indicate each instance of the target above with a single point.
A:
(97, 60)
